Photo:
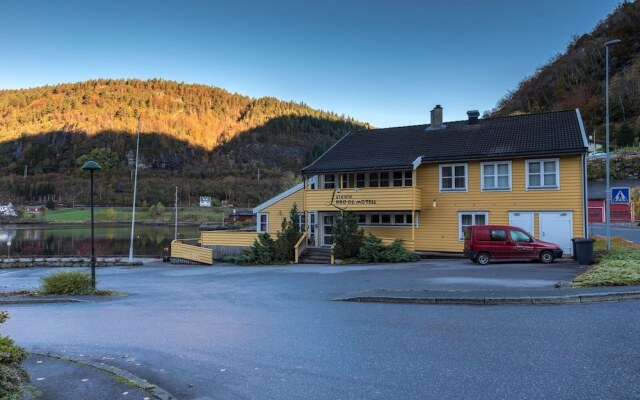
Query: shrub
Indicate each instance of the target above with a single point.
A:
(347, 236)
(50, 204)
(67, 282)
(13, 378)
(373, 250)
(396, 253)
(110, 214)
(263, 251)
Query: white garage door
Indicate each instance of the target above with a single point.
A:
(523, 220)
(557, 228)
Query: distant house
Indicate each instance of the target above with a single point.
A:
(239, 216)
(205, 201)
(597, 198)
(34, 209)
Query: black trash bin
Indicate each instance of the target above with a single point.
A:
(583, 250)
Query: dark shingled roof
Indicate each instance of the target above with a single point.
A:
(397, 148)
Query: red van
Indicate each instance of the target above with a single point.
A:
(483, 243)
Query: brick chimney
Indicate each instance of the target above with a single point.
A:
(436, 118)
(473, 116)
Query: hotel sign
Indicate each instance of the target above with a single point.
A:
(363, 199)
(348, 200)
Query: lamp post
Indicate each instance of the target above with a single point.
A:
(606, 96)
(92, 166)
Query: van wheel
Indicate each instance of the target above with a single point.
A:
(546, 257)
(483, 258)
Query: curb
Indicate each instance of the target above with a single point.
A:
(130, 378)
(485, 301)
(41, 301)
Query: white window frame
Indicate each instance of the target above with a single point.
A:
(260, 215)
(336, 181)
(542, 161)
(453, 166)
(474, 213)
(392, 222)
(313, 182)
(495, 176)
(301, 222)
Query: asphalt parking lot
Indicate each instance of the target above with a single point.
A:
(232, 332)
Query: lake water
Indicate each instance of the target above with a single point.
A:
(75, 240)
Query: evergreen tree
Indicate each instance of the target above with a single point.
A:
(347, 235)
(626, 136)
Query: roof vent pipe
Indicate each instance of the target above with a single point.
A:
(473, 116)
(436, 118)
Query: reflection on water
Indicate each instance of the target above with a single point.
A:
(75, 240)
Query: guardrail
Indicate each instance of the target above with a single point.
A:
(180, 249)
(300, 247)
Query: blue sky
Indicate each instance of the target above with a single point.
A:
(384, 62)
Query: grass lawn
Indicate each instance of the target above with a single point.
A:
(620, 267)
(123, 214)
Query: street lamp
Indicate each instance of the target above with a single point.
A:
(92, 166)
(606, 96)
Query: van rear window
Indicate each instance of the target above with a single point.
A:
(467, 233)
(498, 235)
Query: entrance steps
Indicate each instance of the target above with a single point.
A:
(316, 255)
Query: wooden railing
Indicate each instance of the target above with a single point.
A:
(300, 247)
(333, 258)
(228, 238)
(180, 249)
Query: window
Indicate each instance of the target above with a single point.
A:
(518, 236)
(496, 175)
(542, 174)
(393, 219)
(453, 177)
(329, 181)
(402, 178)
(374, 179)
(313, 182)
(466, 219)
(498, 235)
(360, 182)
(347, 180)
(384, 179)
(301, 222)
(263, 222)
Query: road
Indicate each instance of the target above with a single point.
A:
(631, 233)
(273, 333)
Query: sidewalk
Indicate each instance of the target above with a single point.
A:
(60, 379)
(496, 297)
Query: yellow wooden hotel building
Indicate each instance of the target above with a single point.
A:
(424, 184)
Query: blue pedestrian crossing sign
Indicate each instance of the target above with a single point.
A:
(620, 195)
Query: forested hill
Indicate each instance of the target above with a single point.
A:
(204, 139)
(575, 79)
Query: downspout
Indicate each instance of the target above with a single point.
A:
(585, 197)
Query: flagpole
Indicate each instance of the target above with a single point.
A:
(175, 234)
(135, 185)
